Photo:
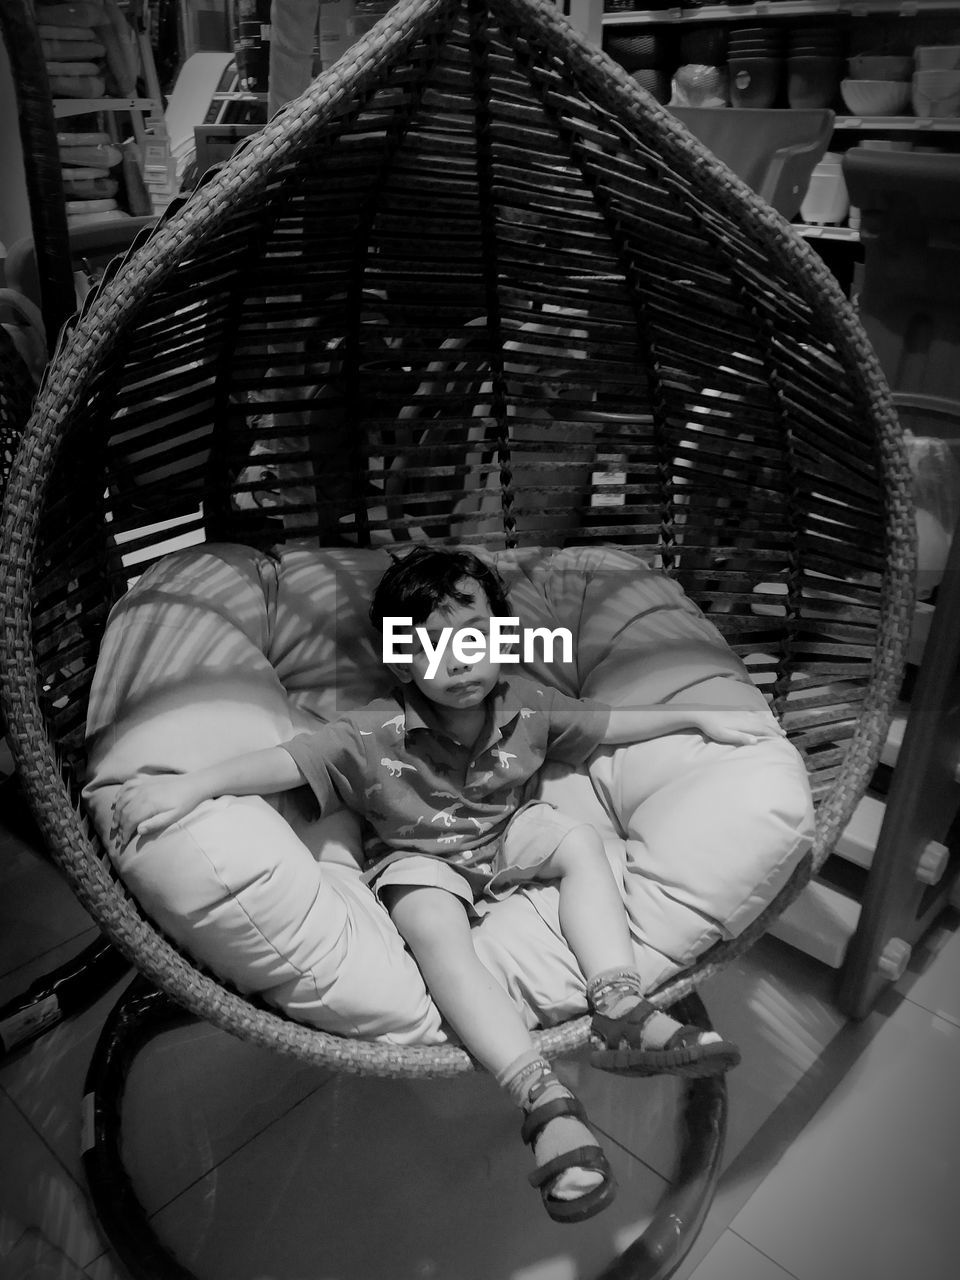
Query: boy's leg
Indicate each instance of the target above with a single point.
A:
(434, 924)
(638, 1037)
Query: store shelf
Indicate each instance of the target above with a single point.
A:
(64, 107)
(150, 147)
(890, 752)
(239, 95)
(781, 9)
(820, 922)
(813, 231)
(859, 838)
(915, 124)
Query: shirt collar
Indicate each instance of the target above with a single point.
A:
(503, 706)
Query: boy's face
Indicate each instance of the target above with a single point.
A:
(456, 684)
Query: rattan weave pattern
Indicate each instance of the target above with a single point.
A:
(474, 285)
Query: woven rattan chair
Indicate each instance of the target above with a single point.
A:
(472, 203)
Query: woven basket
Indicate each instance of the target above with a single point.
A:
(476, 286)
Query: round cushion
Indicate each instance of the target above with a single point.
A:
(221, 649)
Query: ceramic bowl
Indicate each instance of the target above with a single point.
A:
(812, 81)
(936, 93)
(635, 52)
(751, 30)
(814, 51)
(875, 97)
(655, 81)
(704, 44)
(868, 66)
(832, 38)
(754, 82)
(937, 57)
(814, 39)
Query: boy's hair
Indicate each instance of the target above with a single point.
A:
(426, 578)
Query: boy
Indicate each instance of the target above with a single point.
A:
(442, 770)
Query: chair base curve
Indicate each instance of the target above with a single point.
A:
(142, 1013)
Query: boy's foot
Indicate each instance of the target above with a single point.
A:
(572, 1174)
(641, 1040)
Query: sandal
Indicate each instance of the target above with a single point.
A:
(591, 1157)
(682, 1055)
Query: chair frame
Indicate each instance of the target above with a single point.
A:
(850, 629)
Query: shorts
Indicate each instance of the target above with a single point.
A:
(530, 837)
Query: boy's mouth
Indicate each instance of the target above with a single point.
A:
(465, 686)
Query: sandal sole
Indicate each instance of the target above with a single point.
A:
(584, 1207)
(677, 1062)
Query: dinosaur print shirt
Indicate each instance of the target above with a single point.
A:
(420, 790)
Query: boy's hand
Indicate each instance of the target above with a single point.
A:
(147, 804)
(736, 727)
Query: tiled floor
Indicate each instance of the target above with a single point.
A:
(842, 1159)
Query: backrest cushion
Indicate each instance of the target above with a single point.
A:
(632, 627)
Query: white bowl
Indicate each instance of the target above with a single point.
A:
(941, 57)
(936, 93)
(937, 81)
(875, 97)
(874, 66)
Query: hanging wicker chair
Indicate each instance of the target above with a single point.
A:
(473, 202)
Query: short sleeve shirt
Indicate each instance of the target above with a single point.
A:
(420, 790)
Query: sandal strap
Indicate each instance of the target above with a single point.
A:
(541, 1115)
(591, 1157)
(687, 1037)
(612, 1030)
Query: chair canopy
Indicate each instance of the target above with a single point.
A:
(474, 285)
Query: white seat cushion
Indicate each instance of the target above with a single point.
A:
(219, 650)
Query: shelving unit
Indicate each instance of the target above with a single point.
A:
(776, 10)
(897, 863)
(782, 9)
(813, 231)
(896, 124)
(145, 114)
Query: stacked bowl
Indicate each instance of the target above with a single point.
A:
(704, 44)
(877, 84)
(936, 81)
(647, 53)
(755, 65)
(814, 65)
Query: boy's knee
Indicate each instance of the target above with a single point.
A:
(421, 911)
(578, 848)
(405, 903)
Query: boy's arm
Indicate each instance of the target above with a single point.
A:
(721, 724)
(148, 803)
